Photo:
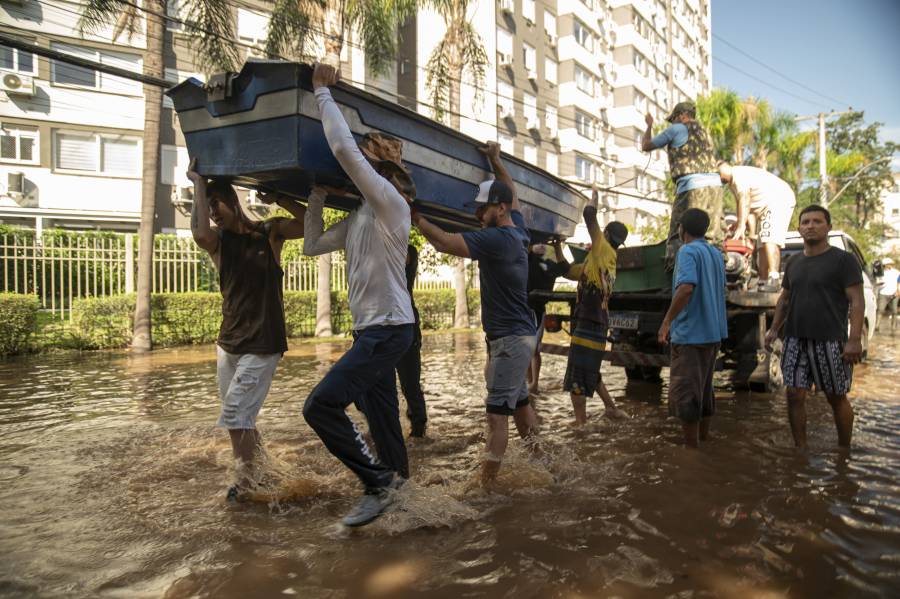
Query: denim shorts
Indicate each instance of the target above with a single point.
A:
(505, 375)
(244, 381)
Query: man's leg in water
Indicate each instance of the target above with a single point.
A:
(497, 440)
(796, 405)
(382, 411)
(691, 433)
(579, 406)
(611, 409)
(843, 418)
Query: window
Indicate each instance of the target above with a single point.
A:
(895, 212)
(552, 163)
(583, 35)
(176, 9)
(584, 124)
(64, 74)
(640, 64)
(584, 168)
(528, 10)
(504, 42)
(530, 153)
(550, 23)
(175, 77)
(12, 59)
(640, 102)
(173, 163)
(530, 107)
(550, 70)
(19, 144)
(551, 119)
(98, 153)
(252, 27)
(530, 56)
(584, 80)
(505, 98)
(507, 143)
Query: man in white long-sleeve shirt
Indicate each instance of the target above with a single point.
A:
(375, 237)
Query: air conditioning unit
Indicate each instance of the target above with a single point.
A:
(14, 83)
(506, 111)
(504, 60)
(507, 6)
(15, 184)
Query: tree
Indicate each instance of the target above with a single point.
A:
(459, 51)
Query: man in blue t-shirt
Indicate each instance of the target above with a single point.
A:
(695, 324)
(501, 249)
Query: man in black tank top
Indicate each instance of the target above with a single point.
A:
(252, 336)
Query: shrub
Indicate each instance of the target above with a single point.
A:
(103, 322)
(18, 315)
(186, 318)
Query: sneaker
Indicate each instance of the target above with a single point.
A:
(373, 504)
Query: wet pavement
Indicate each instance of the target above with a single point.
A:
(113, 481)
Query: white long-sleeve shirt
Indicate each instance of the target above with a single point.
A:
(375, 235)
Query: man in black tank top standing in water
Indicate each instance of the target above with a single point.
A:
(252, 337)
(375, 237)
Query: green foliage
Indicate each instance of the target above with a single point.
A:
(655, 230)
(103, 322)
(18, 316)
(436, 306)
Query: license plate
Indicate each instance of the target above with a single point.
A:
(623, 321)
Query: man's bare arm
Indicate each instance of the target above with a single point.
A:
(286, 228)
(647, 137)
(203, 234)
(491, 151)
(781, 311)
(446, 243)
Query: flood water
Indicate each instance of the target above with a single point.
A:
(112, 484)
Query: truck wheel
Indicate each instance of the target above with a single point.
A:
(650, 374)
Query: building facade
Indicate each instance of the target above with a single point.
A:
(890, 201)
(566, 88)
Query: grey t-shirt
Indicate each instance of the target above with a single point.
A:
(819, 308)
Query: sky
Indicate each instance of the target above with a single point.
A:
(845, 50)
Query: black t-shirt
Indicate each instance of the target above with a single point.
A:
(542, 275)
(819, 308)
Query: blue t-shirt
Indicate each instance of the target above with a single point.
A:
(703, 320)
(675, 136)
(502, 254)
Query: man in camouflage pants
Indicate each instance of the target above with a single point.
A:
(692, 165)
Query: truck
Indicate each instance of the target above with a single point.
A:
(642, 294)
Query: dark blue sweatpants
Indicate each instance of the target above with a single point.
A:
(365, 374)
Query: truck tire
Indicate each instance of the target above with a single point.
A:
(650, 374)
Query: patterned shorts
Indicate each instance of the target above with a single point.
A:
(808, 362)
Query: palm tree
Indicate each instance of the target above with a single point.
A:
(295, 28)
(459, 51)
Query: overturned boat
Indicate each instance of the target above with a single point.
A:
(261, 129)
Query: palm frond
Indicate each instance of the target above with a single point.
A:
(474, 60)
(293, 27)
(438, 79)
(98, 14)
(378, 22)
(213, 41)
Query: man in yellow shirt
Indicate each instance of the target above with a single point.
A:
(590, 319)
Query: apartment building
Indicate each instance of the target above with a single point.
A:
(890, 204)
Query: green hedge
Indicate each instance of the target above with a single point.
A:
(194, 318)
(18, 316)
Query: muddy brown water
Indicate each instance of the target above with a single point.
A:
(112, 481)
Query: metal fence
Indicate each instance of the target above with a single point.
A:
(59, 268)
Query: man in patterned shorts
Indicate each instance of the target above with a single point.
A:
(821, 287)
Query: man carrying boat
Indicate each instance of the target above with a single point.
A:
(501, 249)
(692, 166)
(375, 237)
(252, 337)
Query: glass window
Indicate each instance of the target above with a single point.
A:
(13, 59)
(530, 106)
(552, 163)
(550, 23)
(550, 70)
(583, 35)
(66, 74)
(530, 56)
(507, 143)
(530, 153)
(19, 144)
(108, 154)
(120, 155)
(71, 75)
(551, 118)
(504, 42)
(584, 124)
(584, 168)
(528, 10)
(505, 98)
(77, 152)
(584, 80)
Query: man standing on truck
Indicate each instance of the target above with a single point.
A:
(590, 317)
(821, 287)
(771, 201)
(501, 249)
(375, 236)
(252, 337)
(542, 275)
(692, 166)
(695, 324)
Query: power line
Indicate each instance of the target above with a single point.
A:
(780, 74)
(764, 82)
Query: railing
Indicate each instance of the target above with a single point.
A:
(59, 268)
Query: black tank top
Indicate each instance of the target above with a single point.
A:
(252, 306)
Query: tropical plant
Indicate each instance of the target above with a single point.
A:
(459, 52)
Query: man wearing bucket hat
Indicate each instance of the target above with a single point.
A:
(375, 237)
(501, 249)
(692, 166)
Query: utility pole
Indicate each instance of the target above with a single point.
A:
(823, 171)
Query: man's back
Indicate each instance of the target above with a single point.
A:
(703, 320)
(763, 186)
(889, 282)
